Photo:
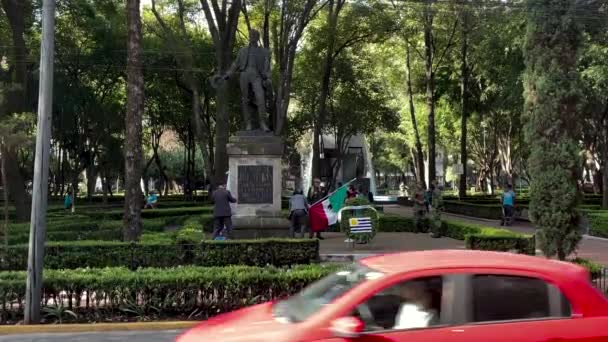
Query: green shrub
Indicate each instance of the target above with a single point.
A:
(598, 223)
(152, 213)
(501, 239)
(394, 223)
(86, 229)
(502, 243)
(159, 253)
(190, 233)
(594, 269)
(173, 292)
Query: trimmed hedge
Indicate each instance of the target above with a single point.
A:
(498, 239)
(518, 244)
(87, 229)
(173, 292)
(98, 254)
(152, 213)
(598, 223)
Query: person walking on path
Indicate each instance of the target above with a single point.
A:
(436, 209)
(315, 194)
(419, 208)
(222, 213)
(428, 199)
(298, 211)
(67, 201)
(507, 200)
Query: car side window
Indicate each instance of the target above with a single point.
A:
(505, 298)
(408, 305)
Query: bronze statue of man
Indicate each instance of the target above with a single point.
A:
(253, 62)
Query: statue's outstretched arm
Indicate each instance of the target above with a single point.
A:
(235, 64)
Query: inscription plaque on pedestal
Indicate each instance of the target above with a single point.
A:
(255, 184)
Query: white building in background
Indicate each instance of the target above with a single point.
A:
(357, 161)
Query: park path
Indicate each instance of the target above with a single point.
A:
(592, 248)
(131, 336)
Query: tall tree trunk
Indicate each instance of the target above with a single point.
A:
(222, 26)
(332, 19)
(6, 204)
(605, 164)
(464, 108)
(430, 86)
(16, 100)
(133, 125)
(419, 158)
(16, 185)
(202, 132)
(104, 186)
(91, 181)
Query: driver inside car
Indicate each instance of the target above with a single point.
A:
(416, 309)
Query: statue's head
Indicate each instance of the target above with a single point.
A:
(254, 37)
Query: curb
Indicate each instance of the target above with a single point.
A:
(96, 327)
(596, 238)
(347, 257)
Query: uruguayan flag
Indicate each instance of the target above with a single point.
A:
(360, 225)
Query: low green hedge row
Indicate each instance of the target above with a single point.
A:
(173, 292)
(190, 291)
(479, 237)
(88, 229)
(598, 223)
(152, 213)
(98, 254)
(501, 243)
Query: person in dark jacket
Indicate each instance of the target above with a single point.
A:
(298, 210)
(222, 213)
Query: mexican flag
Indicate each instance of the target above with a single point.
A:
(325, 212)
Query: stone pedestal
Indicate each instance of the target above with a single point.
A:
(254, 163)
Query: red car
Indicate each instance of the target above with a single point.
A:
(447, 296)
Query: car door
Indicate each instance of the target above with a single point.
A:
(389, 315)
(506, 308)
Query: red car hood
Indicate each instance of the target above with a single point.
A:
(255, 323)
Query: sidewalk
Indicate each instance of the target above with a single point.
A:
(592, 248)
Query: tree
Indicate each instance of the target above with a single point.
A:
(594, 72)
(552, 98)
(333, 13)
(287, 31)
(419, 155)
(361, 23)
(133, 125)
(434, 57)
(16, 131)
(464, 100)
(222, 23)
(180, 42)
(17, 14)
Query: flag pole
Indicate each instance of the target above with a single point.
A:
(333, 192)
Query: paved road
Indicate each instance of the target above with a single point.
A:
(130, 336)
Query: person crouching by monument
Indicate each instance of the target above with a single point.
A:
(222, 213)
(315, 194)
(298, 211)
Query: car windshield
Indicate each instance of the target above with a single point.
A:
(303, 305)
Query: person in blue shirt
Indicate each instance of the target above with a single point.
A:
(508, 203)
(152, 200)
(67, 201)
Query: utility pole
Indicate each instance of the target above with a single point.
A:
(33, 294)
